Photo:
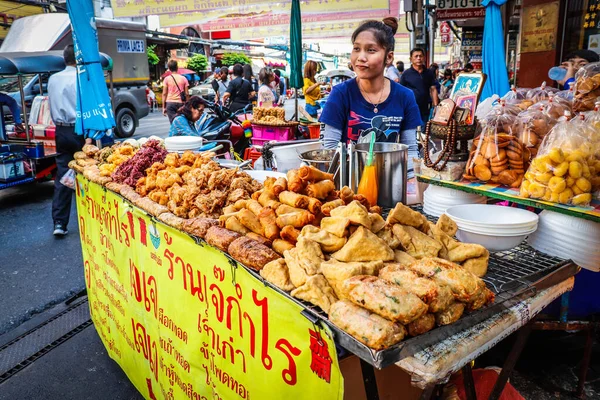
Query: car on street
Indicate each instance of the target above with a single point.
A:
(205, 89)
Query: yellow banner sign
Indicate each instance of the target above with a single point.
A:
(11, 10)
(195, 11)
(184, 321)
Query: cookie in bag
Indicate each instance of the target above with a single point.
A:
(587, 87)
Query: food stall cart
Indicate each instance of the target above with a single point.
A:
(36, 147)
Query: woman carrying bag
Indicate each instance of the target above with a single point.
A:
(175, 91)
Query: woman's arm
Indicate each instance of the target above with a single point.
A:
(331, 137)
(164, 97)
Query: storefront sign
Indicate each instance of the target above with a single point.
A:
(130, 46)
(472, 40)
(446, 36)
(186, 322)
(539, 28)
(458, 9)
(206, 10)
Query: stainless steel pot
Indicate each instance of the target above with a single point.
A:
(391, 160)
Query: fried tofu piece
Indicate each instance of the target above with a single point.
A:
(329, 243)
(447, 225)
(404, 215)
(316, 291)
(337, 272)
(276, 272)
(355, 212)
(415, 242)
(364, 245)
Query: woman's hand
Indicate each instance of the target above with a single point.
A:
(164, 112)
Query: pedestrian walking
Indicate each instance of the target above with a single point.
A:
(392, 73)
(62, 96)
(219, 84)
(422, 82)
(175, 91)
(239, 90)
(400, 66)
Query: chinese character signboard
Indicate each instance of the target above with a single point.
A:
(446, 35)
(458, 9)
(539, 27)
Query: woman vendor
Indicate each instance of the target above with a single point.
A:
(184, 123)
(371, 104)
(266, 96)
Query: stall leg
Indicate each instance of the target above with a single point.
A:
(468, 382)
(511, 361)
(368, 374)
(585, 363)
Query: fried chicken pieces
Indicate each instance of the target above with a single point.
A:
(193, 185)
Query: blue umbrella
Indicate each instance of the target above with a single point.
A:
(94, 112)
(494, 63)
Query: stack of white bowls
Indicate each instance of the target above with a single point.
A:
(179, 144)
(568, 237)
(437, 198)
(497, 228)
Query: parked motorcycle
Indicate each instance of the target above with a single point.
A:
(219, 123)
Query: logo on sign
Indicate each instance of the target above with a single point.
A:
(130, 46)
(446, 34)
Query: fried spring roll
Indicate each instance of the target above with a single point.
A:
(362, 200)
(229, 210)
(223, 218)
(295, 184)
(268, 199)
(297, 220)
(334, 195)
(285, 209)
(279, 186)
(425, 289)
(421, 325)
(377, 210)
(280, 245)
(250, 221)
(240, 204)
(290, 234)
(347, 195)
(327, 207)
(260, 239)
(268, 183)
(234, 224)
(450, 314)
(294, 199)
(268, 220)
(312, 174)
(314, 205)
(256, 195)
(254, 206)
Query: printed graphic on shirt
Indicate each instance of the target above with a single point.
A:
(386, 128)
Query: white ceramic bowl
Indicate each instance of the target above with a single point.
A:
(182, 143)
(490, 242)
(440, 191)
(488, 215)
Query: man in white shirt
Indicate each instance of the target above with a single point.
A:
(62, 95)
(392, 72)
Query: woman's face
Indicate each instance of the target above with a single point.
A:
(368, 58)
(197, 112)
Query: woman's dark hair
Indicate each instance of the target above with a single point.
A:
(224, 71)
(193, 103)
(277, 72)
(238, 70)
(400, 66)
(172, 65)
(247, 72)
(383, 31)
(264, 76)
(447, 73)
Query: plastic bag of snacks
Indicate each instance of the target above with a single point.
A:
(554, 106)
(515, 96)
(587, 87)
(560, 173)
(541, 93)
(497, 154)
(592, 132)
(536, 124)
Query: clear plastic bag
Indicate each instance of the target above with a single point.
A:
(553, 106)
(541, 93)
(592, 132)
(536, 125)
(560, 173)
(497, 155)
(587, 87)
(68, 179)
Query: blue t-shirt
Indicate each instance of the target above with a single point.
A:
(347, 110)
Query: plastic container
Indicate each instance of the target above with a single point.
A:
(314, 131)
(266, 133)
(35, 150)
(557, 73)
(285, 157)
(11, 169)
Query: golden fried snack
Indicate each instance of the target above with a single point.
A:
(290, 234)
(421, 325)
(314, 205)
(311, 174)
(320, 189)
(276, 272)
(403, 258)
(150, 206)
(294, 183)
(233, 224)
(337, 272)
(317, 291)
(293, 199)
(329, 242)
(484, 296)
(335, 225)
(327, 207)
(425, 289)
(253, 206)
(279, 186)
(364, 245)
(280, 245)
(368, 328)
(443, 300)
(459, 252)
(388, 237)
(416, 243)
(251, 253)
(451, 314)
(171, 220)
(464, 285)
(377, 222)
(285, 209)
(310, 255)
(242, 204)
(268, 220)
(268, 199)
(355, 212)
(297, 220)
(297, 271)
(447, 225)
(198, 226)
(260, 239)
(220, 238)
(115, 186)
(477, 266)
(230, 210)
(375, 210)
(250, 221)
(403, 215)
(79, 155)
(384, 298)
(347, 195)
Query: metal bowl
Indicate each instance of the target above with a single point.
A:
(320, 159)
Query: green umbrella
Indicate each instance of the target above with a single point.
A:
(296, 80)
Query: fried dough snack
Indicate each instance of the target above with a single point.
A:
(337, 272)
(233, 224)
(330, 205)
(251, 253)
(450, 314)
(259, 238)
(280, 245)
(364, 245)
(277, 273)
(290, 234)
(294, 183)
(312, 174)
(335, 225)
(384, 298)
(425, 289)
(250, 221)
(320, 189)
(421, 325)
(403, 215)
(368, 328)
(293, 199)
(355, 212)
(317, 291)
(416, 243)
(329, 242)
(221, 238)
(268, 220)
